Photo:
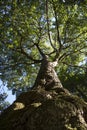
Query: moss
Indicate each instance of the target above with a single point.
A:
(69, 127)
(34, 110)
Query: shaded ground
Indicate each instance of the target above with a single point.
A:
(45, 110)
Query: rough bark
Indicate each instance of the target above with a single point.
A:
(50, 108)
(45, 110)
(47, 77)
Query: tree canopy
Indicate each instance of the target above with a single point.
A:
(32, 28)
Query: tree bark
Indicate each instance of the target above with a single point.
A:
(47, 77)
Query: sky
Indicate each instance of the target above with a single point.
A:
(10, 98)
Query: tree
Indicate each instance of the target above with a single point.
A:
(3, 104)
(75, 82)
(47, 33)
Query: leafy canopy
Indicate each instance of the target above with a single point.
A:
(55, 27)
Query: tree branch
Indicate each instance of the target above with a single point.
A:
(57, 27)
(75, 66)
(81, 92)
(78, 51)
(39, 49)
(48, 29)
(28, 56)
(8, 66)
(75, 38)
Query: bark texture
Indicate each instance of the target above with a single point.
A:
(45, 110)
(48, 107)
(47, 77)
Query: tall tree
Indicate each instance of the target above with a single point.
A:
(36, 37)
(45, 34)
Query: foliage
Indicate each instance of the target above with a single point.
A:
(3, 103)
(28, 28)
(74, 79)
(75, 82)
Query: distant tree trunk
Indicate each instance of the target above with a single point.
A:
(47, 77)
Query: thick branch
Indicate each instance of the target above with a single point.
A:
(58, 34)
(27, 55)
(40, 51)
(48, 26)
(57, 26)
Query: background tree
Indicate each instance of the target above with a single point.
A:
(32, 30)
(3, 104)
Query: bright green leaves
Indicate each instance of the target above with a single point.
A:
(10, 46)
(24, 24)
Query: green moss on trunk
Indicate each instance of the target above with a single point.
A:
(43, 110)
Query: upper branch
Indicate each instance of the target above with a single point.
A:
(66, 54)
(57, 26)
(75, 66)
(27, 55)
(48, 28)
(39, 49)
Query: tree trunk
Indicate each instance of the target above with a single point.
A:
(46, 110)
(47, 77)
